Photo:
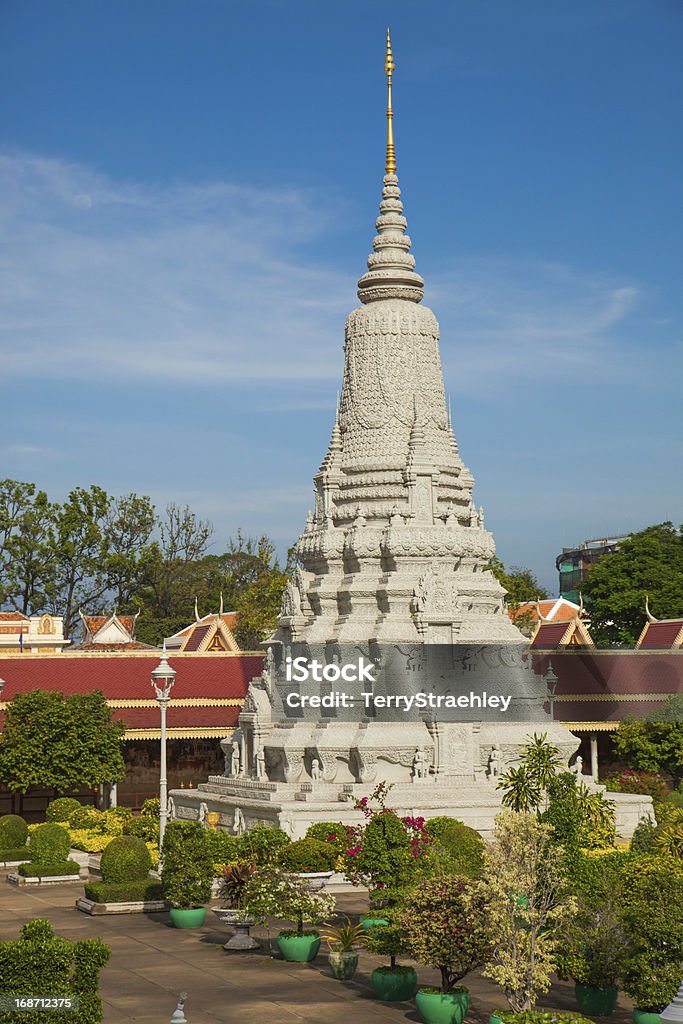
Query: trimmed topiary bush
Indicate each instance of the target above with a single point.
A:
(308, 855)
(49, 844)
(13, 832)
(59, 810)
(143, 828)
(87, 817)
(124, 892)
(458, 849)
(340, 836)
(263, 844)
(36, 869)
(125, 859)
(41, 962)
(17, 853)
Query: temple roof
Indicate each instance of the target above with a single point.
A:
(665, 634)
(212, 632)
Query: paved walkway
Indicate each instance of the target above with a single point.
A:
(152, 962)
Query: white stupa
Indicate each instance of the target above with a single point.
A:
(395, 552)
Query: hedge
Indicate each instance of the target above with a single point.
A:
(14, 853)
(41, 962)
(123, 892)
(35, 869)
(13, 831)
(459, 848)
(49, 844)
(60, 809)
(125, 859)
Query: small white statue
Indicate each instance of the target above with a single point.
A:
(235, 758)
(171, 809)
(239, 825)
(577, 767)
(260, 763)
(203, 812)
(495, 762)
(420, 766)
(316, 774)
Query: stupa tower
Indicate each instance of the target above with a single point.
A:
(395, 549)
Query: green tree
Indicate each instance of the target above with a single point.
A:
(26, 546)
(128, 527)
(62, 742)
(656, 744)
(649, 563)
(520, 583)
(81, 553)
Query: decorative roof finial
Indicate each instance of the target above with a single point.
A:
(389, 67)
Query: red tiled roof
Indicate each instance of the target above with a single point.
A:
(179, 718)
(131, 645)
(196, 638)
(96, 622)
(661, 635)
(564, 611)
(122, 677)
(550, 634)
(13, 617)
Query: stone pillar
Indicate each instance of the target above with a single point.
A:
(112, 794)
(594, 756)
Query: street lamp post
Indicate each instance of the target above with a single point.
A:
(163, 677)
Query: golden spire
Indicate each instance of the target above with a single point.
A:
(390, 166)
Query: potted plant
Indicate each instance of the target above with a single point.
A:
(272, 892)
(527, 902)
(309, 859)
(591, 951)
(342, 943)
(445, 928)
(391, 982)
(235, 879)
(186, 873)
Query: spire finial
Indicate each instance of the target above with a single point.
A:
(389, 66)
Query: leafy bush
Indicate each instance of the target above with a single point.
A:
(125, 859)
(272, 893)
(652, 917)
(41, 962)
(14, 854)
(13, 831)
(146, 828)
(49, 844)
(387, 940)
(86, 817)
(187, 869)
(340, 836)
(263, 844)
(151, 808)
(308, 855)
(89, 842)
(223, 847)
(124, 892)
(35, 869)
(59, 810)
(114, 820)
(643, 838)
(457, 849)
(445, 927)
(580, 818)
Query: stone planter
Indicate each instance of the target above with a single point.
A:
(16, 879)
(132, 907)
(442, 1008)
(343, 964)
(241, 940)
(188, 917)
(594, 1001)
(316, 880)
(298, 949)
(394, 986)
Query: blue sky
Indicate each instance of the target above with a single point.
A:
(188, 192)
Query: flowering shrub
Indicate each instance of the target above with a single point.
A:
(444, 927)
(270, 892)
(387, 852)
(339, 836)
(646, 783)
